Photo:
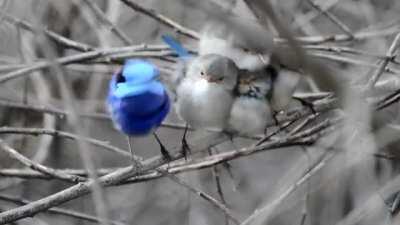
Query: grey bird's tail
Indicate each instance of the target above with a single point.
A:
(176, 46)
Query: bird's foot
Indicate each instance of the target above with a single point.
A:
(266, 130)
(307, 104)
(230, 134)
(274, 116)
(164, 152)
(185, 149)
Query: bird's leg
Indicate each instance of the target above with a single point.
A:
(164, 152)
(266, 129)
(306, 104)
(135, 163)
(230, 134)
(185, 146)
(274, 116)
(227, 166)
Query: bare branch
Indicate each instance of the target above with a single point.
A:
(35, 166)
(105, 21)
(39, 131)
(81, 57)
(332, 18)
(56, 210)
(66, 42)
(390, 54)
(162, 19)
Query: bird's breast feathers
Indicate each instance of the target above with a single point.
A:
(202, 104)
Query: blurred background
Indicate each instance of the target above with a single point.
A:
(350, 187)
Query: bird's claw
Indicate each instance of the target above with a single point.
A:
(185, 149)
(165, 154)
(230, 134)
(307, 104)
(274, 116)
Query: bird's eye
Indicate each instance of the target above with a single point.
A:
(220, 79)
(202, 73)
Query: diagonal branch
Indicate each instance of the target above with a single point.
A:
(54, 36)
(59, 211)
(162, 19)
(104, 20)
(390, 55)
(332, 18)
(58, 133)
(38, 167)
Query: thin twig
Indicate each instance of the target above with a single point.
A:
(332, 18)
(265, 211)
(38, 167)
(388, 100)
(59, 211)
(81, 57)
(221, 206)
(362, 35)
(301, 20)
(352, 61)
(58, 133)
(162, 19)
(390, 54)
(344, 49)
(104, 20)
(66, 42)
(217, 178)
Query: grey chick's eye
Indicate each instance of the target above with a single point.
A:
(202, 73)
(220, 79)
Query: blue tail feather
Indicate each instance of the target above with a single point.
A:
(176, 46)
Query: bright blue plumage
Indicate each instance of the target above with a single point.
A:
(136, 99)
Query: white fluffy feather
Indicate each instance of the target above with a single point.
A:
(249, 115)
(203, 104)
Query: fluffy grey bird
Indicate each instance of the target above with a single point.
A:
(205, 94)
(251, 111)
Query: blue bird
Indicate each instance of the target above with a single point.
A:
(137, 100)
